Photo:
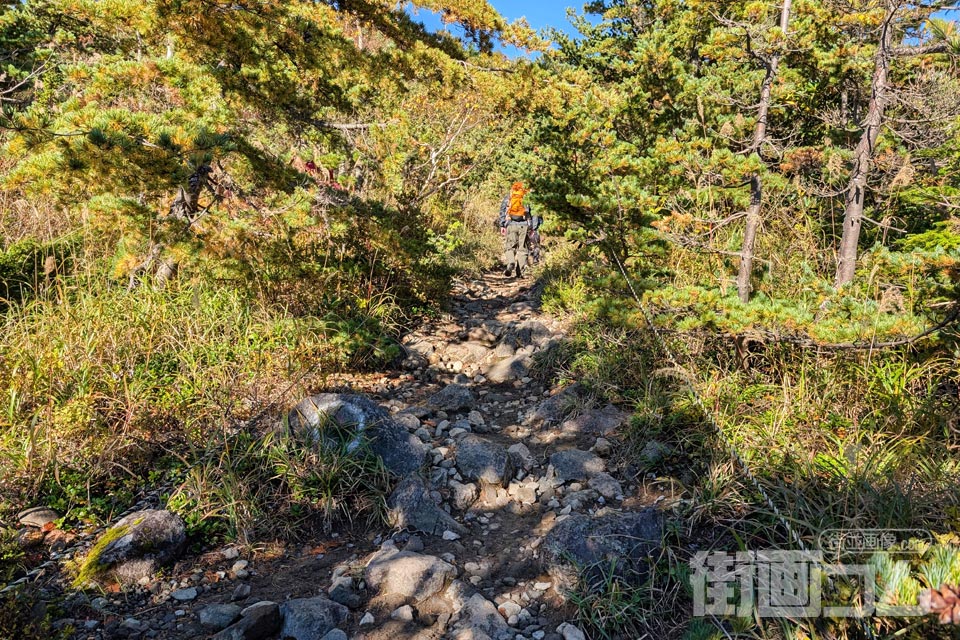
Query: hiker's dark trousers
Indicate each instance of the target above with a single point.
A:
(515, 245)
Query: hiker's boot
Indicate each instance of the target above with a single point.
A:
(508, 272)
(519, 272)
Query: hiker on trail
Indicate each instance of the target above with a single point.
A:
(533, 238)
(515, 223)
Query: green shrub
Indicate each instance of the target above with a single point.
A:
(24, 615)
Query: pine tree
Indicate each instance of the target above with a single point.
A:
(895, 23)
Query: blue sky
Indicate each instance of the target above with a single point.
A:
(539, 14)
(545, 13)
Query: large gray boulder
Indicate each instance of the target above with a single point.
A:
(574, 464)
(479, 618)
(347, 421)
(413, 576)
(259, 621)
(521, 457)
(219, 616)
(595, 546)
(531, 332)
(136, 546)
(479, 459)
(311, 618)
(462, 496)
(453, 397)
(411, 507)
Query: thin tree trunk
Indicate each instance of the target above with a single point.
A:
(785, 15)
(754, 218)
(166, 272)
(749, 238)
(184, 210)
(863, 156)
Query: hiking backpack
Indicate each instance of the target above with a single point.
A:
(515, 208)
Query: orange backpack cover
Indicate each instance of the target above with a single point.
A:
(515, 209)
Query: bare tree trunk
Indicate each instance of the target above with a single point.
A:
(184, 210)
(749, 238)
(155, 250)
(754, 218)
(863, 156)
(166, 272)
(785, 15)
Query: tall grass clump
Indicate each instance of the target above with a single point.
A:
(247, 486)
(99, 382)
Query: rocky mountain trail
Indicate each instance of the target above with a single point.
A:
(504, 485)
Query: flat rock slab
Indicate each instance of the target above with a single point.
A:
(598, 545)
(413, 576)
(419, 347)
(37, 517)
(482, 460)
(411, 507)
(311, 618)
(576, 465)
(597, 422)
(346, 421)
(185, 595)
(453, 397)
(606, 485)
(467, 352)
(520, 307)
(509, 369)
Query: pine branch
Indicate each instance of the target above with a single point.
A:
(348, 126)
(922, 49)
(770, 337)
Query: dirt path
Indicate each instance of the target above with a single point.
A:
(508, 459)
